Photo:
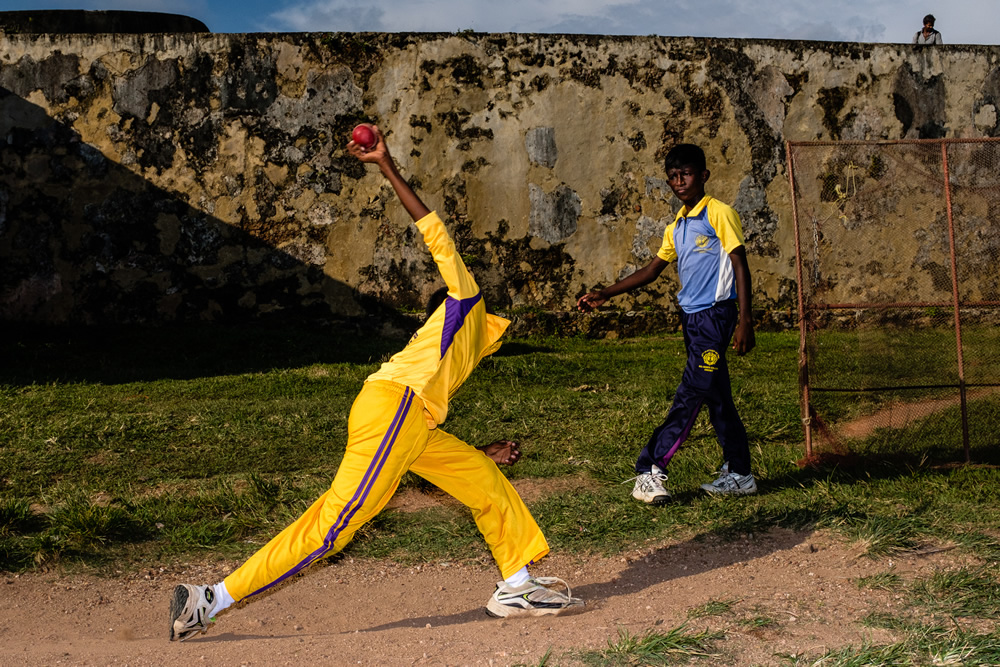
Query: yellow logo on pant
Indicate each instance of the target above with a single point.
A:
(709, 358)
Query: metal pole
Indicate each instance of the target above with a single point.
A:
(803, 355)
(956, 303)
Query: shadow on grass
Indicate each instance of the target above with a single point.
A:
(883, 465)
(31, 354)
(111, 355)
(516, 349)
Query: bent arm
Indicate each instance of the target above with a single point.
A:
(744, 339)
(456, 275)
(411, 202)
(380, 156)
(643, 276)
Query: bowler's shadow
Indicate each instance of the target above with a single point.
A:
(703, 553)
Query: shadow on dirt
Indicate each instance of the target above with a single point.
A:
(703, 553)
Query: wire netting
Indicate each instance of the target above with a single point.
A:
(898, 253)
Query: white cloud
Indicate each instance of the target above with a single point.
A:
(449, 15)
(851, 20)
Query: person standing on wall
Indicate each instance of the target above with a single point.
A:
(928, 35)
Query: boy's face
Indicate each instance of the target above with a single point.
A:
(688, 183)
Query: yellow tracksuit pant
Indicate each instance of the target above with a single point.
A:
(388, 435)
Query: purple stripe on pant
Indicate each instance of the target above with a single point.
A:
(360, 495)
(707, 334)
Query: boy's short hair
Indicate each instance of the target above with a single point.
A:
(930, 19)
(437, 298)
(685, 155)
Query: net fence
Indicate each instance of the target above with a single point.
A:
(898, 260)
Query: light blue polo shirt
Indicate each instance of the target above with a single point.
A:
(700, 239)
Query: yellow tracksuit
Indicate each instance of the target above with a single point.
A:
(392, 428)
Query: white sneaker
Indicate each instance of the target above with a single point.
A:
(731, 484)
(649, 487)
(190, 611)
(532, 598)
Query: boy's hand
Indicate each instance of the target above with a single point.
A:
(589, 302)
(744, 340)
(375, 154)
(503, 452)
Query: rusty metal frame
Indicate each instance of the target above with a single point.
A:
(955, 304)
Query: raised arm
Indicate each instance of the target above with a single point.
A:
(461, 284)
(380, 156)
(643, 276)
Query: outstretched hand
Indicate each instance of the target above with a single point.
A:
(503, 452)
(378, 152)
(589, 302)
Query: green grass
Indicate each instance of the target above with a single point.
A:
(885, 581)
(923, 645)
(127, 445)
(966, 592)
(654, 648)
(941, 622)
(712, 608)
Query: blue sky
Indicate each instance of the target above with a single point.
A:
(960, 21)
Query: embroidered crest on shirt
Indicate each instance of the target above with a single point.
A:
(701, 241)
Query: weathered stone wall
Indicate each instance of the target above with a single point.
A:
(154, 178)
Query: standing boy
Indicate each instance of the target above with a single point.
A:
(927, 34)
(706, 239)
(393, 428)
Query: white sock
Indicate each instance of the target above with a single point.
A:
(519, 578)
(222, 598)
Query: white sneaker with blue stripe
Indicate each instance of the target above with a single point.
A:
(731, 484)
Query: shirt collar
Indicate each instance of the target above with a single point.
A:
(687, 213)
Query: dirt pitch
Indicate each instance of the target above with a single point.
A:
(791, 593)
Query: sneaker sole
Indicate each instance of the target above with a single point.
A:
(710, 490)
(177, 604)
(656, 501)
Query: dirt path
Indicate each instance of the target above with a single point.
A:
(791, 593)
(901, 414)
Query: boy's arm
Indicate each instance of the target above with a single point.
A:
(380, 155)
(744, 339)
(460, 282)
(643, 276)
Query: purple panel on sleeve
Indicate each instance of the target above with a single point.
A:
(454, 317)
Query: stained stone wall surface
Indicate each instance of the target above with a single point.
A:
(163, 178)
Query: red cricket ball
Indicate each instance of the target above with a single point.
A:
(364, 135)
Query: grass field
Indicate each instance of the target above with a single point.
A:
(122, 447)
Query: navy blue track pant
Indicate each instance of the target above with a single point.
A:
(707, 335)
